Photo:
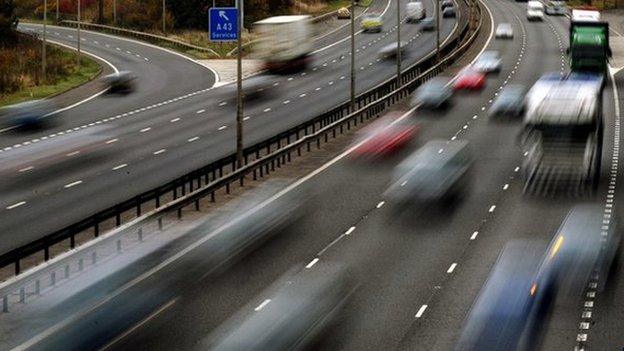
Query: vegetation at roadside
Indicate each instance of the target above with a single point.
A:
(599, 4)
(21, 74)
(185, 20)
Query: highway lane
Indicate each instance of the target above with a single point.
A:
(169, 140)
(161, 75)
(405, 264)
(398, 260)
(605, 320)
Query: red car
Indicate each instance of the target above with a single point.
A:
(469, 79)
(384, 137)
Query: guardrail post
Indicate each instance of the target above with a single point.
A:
(53, 278)
(157, 200)
(17, 267)
(180, 213)
(94, 257)
(66, 271)
(96, 229)
(5, 304)
(72, 241)
(81, 264)
(118, 245)
(22, 293)
(212, 197)
(255, 176)
(140, 233)
(160, 224)
(37, 287)
(175, 192)
(138, 208)
(197, 205)
(227, 188)
(117, 218)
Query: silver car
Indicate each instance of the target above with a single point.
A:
(433, 94)
(504, 31)
(391, 50)
(488, 62)
(510, 102)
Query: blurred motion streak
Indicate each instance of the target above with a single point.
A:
(384, 137)
(54, 150)
(26, 115)
(294, 314)
(438, 171)
(434, 94)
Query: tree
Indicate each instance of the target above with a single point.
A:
(8, 23)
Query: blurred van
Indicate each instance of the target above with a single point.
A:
(415, 11)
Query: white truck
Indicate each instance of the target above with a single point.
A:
(562, 137)
(535, 10)
(284, 42)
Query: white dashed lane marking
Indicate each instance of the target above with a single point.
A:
(16, 205)
(120, 167)
(78, 182)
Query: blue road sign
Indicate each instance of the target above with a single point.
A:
(223, 23)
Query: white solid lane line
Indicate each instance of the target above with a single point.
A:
(492, 208)
(312, 263)
(73, 184)
(120, 166)
(421, 311)
(29, 168)
(451, 268)
(261, 306)
(474, 235)
(350, 230)
(380, 204)
(16, 205)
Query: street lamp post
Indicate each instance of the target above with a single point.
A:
(239, 89)
(57, 10)
(78, 33)
(164, 20)
(43, 49)
(352, 56)
(398, 55)
(437, 20)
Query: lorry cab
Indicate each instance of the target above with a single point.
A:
(535, 11)
(415, 11)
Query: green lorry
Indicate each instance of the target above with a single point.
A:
(589, 42)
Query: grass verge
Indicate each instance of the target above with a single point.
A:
(73, 75)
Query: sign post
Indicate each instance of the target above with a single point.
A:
(225, 25)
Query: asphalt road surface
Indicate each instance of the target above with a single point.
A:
(155, 142)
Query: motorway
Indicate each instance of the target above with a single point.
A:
(420, 272)
(154, 141)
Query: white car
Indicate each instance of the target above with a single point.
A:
(488, 62)
(504, 31)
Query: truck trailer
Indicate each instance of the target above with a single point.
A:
(562, 136)
(589, 49)
(284, 42)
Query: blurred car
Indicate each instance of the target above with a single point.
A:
(579, 248)
(254, 87)
(291, 315)
(372, 23)
(392, 50)
(510, 102)
(414, 11)
(30, 114)
(384, 137)
(343, 13)
(503, 308)
(446, 3)
(504, 31)
(438, 171)
(122, 82)
(488, 62)
(469, 79)
(449, 12)
(556, 8)
(433, 94)
(427, 24)
(535, 10)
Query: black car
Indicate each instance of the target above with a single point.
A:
(448, 12)
(427, 24)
